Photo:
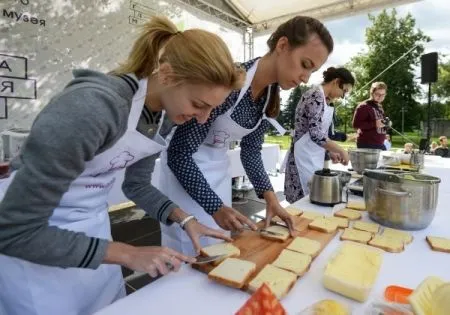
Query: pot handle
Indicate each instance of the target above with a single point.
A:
(394, 193)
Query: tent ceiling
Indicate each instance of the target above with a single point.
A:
(264, 15)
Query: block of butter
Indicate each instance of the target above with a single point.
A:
(353, 270)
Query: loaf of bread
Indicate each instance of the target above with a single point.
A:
(323, 225)
(349, 214)
(366, 226)
(227, 249)
(439, 244)
(279, 281)
(353, 270)
(305, 246)
(356, 236)
(312, 215)
(356, 205)
(402, 235)
(295, 262)
(233, 272)
(282, 231)
(387, 243)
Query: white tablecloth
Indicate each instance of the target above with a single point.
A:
(270, 155)
(190, 292)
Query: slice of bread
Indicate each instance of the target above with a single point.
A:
(393, 233)
(348, 213)
(277, 229)
(356, 236)
(356, 205)
(342, 223)
(312, 215)
(227, 249)
(233, 272)
(439, 244)
(305, 246)
(279, 281)
(366, 226)
(389, 244)
(293, 211)
(297, 263)
(323, 225)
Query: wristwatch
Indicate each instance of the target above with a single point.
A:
(186, 220)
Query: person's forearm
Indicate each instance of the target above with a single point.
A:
(178, 215)
(332, 146)
(270, 197)
(118, 253)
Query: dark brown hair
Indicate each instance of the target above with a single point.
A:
(342, 74)
(298, 31)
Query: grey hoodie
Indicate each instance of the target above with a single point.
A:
(85, 119)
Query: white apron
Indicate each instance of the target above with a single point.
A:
(309, 157)
(212, 160)
(28, 288)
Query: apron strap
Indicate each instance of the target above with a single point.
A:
(276, 125)
(248, 81)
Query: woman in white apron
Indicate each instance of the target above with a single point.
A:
(56, 251)
(313, 118)
(197, 154)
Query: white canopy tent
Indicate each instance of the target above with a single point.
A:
(258, 17)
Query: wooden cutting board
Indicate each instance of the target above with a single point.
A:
(261, 251)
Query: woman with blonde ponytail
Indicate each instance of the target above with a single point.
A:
(56, 251)
(197, 153)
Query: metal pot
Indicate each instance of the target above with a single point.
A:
(362, 159)
(325, 188)
(404, 201)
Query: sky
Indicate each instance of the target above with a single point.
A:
(432, 17)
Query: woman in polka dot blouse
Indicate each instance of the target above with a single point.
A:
(197, 155)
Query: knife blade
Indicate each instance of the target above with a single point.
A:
(200, 260)
(262, 231)
(283, 224)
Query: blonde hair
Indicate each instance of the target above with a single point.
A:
(196, 56)
(377, 86)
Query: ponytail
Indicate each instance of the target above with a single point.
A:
(144, 55)
(195, 56)
(273, 107)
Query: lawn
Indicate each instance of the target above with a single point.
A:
(397, 141)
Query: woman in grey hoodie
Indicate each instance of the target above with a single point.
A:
(56, 251)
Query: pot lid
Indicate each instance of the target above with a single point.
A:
(325, 172)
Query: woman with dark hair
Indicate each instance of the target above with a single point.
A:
(197, 154)
(313, 118)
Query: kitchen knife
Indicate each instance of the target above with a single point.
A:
(200, 260)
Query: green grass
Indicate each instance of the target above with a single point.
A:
(397, 141)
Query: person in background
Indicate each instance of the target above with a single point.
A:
(313, 118)
(408, 148)
(369, 117)
(387, 142)
(433, 147)
(56, 251)
(442, 149)
(197, 154)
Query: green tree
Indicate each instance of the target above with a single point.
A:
(287, 114)
(388, 39)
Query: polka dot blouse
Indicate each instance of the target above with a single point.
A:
(189, 136)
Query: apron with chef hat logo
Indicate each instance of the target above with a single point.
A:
(212, 160)
(309, 157)
(33, 289)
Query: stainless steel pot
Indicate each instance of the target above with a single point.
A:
(326, 188)
(404, 201)
(362, 159)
